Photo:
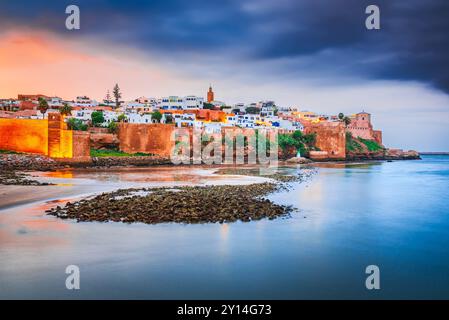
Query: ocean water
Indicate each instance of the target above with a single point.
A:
(394, 215)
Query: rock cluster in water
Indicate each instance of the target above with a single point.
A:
(190, 204)
(8, 177)
(180, 204)
(261, 172)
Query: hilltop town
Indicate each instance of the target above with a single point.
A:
(143, 126)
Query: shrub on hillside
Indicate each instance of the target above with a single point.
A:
(371, 145)
(112, 127)
(76, 124)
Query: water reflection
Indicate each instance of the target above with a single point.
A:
(394, 215)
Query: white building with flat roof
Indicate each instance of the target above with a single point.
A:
(193, 102)
(180, 103)
(138, 118)
(84, 101)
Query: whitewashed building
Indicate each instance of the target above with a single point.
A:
(84, 101)
(185, 120)
(180, 103)
(193, 102)
(247, 120)
(138, 118)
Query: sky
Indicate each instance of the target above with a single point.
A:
(314, 55)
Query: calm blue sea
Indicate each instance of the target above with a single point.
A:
(391, 214)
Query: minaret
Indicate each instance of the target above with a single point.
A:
(210, 95)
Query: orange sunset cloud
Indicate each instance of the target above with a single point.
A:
(43, 63)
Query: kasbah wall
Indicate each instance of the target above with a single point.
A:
(46, 137)
(330, 139)
(159, 139)
(146, 138)
(50, 137)
(331, 136)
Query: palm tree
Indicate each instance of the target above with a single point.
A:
(345, 119)
(65, 110)
(43, 106)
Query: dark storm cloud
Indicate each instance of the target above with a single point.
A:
(411, 45)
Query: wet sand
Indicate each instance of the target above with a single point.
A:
(16, 195)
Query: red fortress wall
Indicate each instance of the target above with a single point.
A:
(46, 137)
(330, 139)
(146, 138)
(157, 138)
(24, 135)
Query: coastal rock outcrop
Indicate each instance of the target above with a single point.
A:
(180, 204)
(399, 154)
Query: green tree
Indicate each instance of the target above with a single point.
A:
(157, 116)
(286, 140)
(121, 118)
(341, 116)
(112, 127)
(207, 105)
(43, 106)
(97, 118)
(346, 121)
(297, 135)
(252, 110)
(76, 124)
(309, 139)
(65, 110)
(117, 95)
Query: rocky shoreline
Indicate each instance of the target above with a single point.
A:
(29, 162)
(10, 163)
(10, 177)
